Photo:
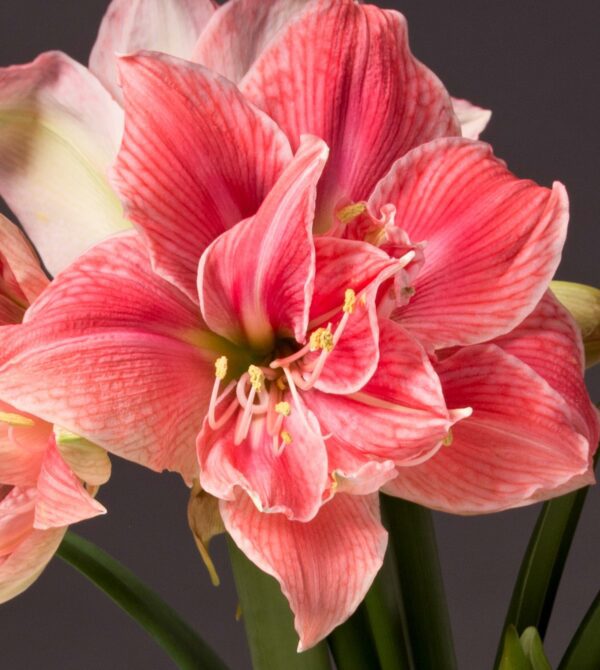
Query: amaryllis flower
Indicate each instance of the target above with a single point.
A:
(41, 489)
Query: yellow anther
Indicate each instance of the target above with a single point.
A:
(322, 338)
(257, 377)
(349, 301)
(15, 419)
(281, 383)
(221, 367)
(286, 437)
(283, 408)
(447, 441)
(350, 212)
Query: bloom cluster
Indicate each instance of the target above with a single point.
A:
(285, 268)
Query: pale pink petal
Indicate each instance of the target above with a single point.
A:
(345, 73)
(289, 479)
(473, 120)
(256, 279)
(400, 415)
(60, 133)
(325, 566)
(117, 355)
(17, 509)
(493, 241)
(239, 31)
(521, 444)
(61, 497)
(196, 159)
(22, 567)
(170, 26)
(21, 277)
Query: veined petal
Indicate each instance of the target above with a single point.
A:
(172, 27)
(290, 481)
(88, 461)
(325, 566)
(493, 241)
(196, 159)
(344, 72)
(16, 518)
(59, 133)
(239, 31)
(522, 443)
(473, 120)
(21, 277)
(257, 278)
(61, 498)
(23, 566)
(125, 355)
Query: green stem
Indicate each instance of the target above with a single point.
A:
(584, 651)
(163, 624)
(412, 540)
(352, 645)
(268, 621)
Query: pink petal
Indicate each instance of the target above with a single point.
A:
(473, 120)
(62, 499)
(17, 509)
(291, 482)
(196, 159)
(325, 567)
(344, 72)
(400, 415)
(257, 278)
(520, 445)
(60, 133)
(239, 31)
(132, 25)
(23, 566)
(115, 354)
(493, 241)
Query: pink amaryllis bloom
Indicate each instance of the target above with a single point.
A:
(40, 493)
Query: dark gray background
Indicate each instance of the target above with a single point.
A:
(536, 65)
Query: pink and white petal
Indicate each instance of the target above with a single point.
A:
(473, 120)
(117, 355)
(399, 415)
(549, 342)
(290, 481)
(61, 498)
(59, 134)
(22, 567)
(196, 159)
(521, 443)
(344, 72)
(324, 567)
(172, 27)
(20, 271)
(493, 241)
(257, 278)
(356, 472)
(17, 509)
(239, 31)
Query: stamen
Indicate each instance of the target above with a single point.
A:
(286, 437)
(257, 377)
(221, 367)
(15, 419)
(322, 338)
(281, 383)
(349, 301)
(283, 408)
(350, 212)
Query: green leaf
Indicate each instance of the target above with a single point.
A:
(268, 621)
(426, 624)
(513, 657)
(584, 651)
(531, 642)
(162, 622)
(352, 644)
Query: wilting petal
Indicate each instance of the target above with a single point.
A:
(61, 498)
(59, 133)
(239, 31)
(493, 241)
(196, 159)
(24, 565)
(291, 482)
(345, 73)
(115, 354)
(172, 27)
(325, 567)
(522, 443)
(400, 415)
(257, 279)
(473, 120)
